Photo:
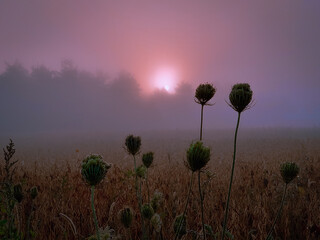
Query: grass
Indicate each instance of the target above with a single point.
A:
(256, 193)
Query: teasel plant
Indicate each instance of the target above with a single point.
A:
(147, 160)
(197, 158)
(204, 93)
(93, 171)
(240, 99)
(132, 146)
(125, 216)
(289, 171)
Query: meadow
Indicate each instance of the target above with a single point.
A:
(62, 207)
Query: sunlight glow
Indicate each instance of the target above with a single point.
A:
(165, 79)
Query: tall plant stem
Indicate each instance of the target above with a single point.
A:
(185, 207)
(279, 212)
(201, 122)
(148, 186)
(201, 202)
(231, 178)
(138, 194)
(94, 213)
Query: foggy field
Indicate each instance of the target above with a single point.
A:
(53, 165)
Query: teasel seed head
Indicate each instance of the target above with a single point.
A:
(240, 97)
(156, 200)
(289, 171)
(147, 211)
(34, 192)
(133, 144)
(180, 223)
(197, 156)
(93, 169)
(204, 93)
(17, 192)
(126, 216)
(147, 159)
(156, 222)
(141, 171)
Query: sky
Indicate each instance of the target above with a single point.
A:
(163, 45)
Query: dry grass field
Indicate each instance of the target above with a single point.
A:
(53, 165)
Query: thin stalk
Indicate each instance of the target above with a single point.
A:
(94, 213)
(185, 208)
(147, 182)
(29, 222)
(201, 122)
(278, 214)
(137, 194)
(140, 206)
(231, 178)
(201, 202)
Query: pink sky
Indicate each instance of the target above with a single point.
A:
(216, 41)
(273, 45)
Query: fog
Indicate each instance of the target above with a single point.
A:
(116, 48)
(70, 100)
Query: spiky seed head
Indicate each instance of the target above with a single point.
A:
(93, 169)
(289, 171)
(141, 171)
(147, 159)
(33, 192)
(156, 200)
(156, 222)
(125, 216)
(133, 144)
(180, 224)
(204, 93)
(240, 97)
(17, 192)
(197, 156)
(147, 211)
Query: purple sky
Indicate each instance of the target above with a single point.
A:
(273, 45)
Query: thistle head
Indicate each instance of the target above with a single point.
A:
(240, 97)
(147, 159)
(34, 192)
(289, 171)
(125, 216)
(204, 93)
(197, 156)
(147, 211)
(156, 222)
(93, 169)
(133, 144)
(180, 225)
(156, 200)
(141, 171)
(17, 192)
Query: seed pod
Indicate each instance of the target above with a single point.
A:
(93, 169)
(17, 192)
(147, 211)
(126, 215)
(133, 144)
(156, 200)
(289, 171)
(197, 156)
(34, 192)
(141, 171)
(204, 93)
(156, 222)
(147, 159)
(240, 97)
(180, 224)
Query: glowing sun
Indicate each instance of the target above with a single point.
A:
(165, 79)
